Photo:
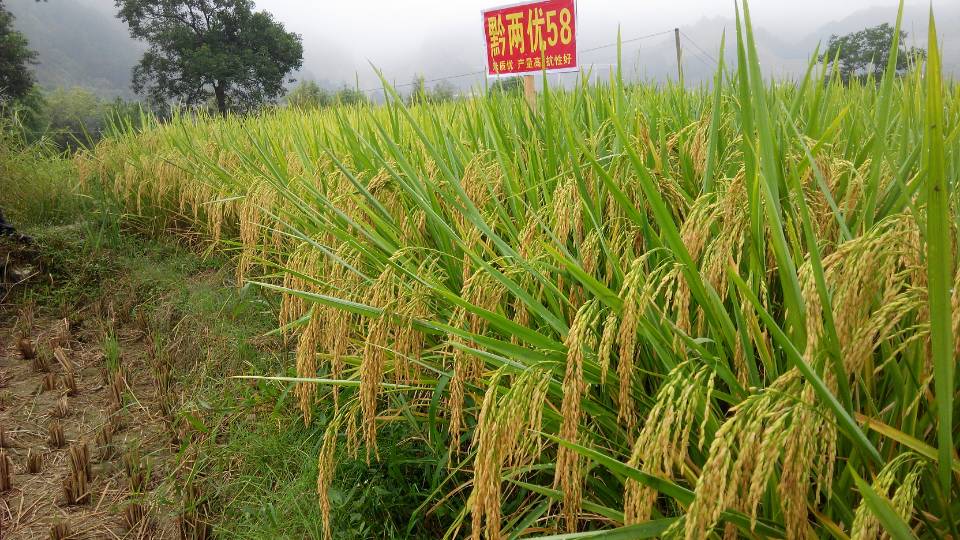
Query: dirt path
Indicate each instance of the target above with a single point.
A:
(114, 413)
(176, 448)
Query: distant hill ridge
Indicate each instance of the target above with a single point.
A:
(81, 43)
(783, 58)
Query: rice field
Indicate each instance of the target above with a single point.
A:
(648, 311)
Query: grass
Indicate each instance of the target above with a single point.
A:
(36, 182)
(259, 473)
(574, 329)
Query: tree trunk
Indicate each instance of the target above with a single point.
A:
(220, 89)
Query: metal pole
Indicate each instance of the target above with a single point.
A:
(676, 35)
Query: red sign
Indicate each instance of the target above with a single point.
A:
(530, 37)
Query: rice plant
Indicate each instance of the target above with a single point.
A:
(645, 310)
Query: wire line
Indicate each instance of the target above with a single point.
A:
(482, 71)
(631, 40)
(694, 43)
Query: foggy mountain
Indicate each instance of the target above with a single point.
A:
(81, 43)
(78, 43)
(655, 59)
(790, 58)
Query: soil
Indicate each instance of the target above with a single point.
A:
(36, 503)
(19, 262)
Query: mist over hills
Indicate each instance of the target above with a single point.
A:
(78, 43)
(81, 43)
(781, 58)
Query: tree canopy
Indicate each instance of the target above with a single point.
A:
(421, 95)
(309, 95)
(864, 53)
(203, 50)
(16, 79)
(507, 85)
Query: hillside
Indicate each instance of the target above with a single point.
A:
(78, 43)
(81, 43)
(782, 58)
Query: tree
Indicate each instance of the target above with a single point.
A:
(210, 49)
(507, 85)
(444, 91)
(421, 95)
(309, 95)
(16, 80)
(865, 53)
(350, 96)
(418, 95)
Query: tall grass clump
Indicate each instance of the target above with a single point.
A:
(648, 311)
(36, 185)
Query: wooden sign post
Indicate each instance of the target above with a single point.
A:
(530, 91)
(531, 37)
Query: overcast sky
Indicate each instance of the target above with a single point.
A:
(387, 20)
(443, 37)
(439, 38)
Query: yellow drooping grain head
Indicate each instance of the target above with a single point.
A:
(663, 442)
(506, 436)
(581, 342)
